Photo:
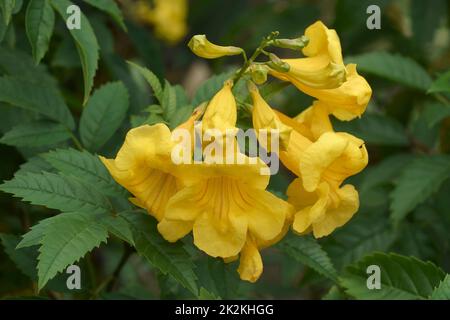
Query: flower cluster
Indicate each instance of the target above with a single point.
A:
(226, 206)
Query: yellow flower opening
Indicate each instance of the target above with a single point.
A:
(323, 67)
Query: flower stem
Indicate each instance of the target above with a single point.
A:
(267, 41)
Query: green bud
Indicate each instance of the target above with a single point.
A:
(277, 64)
(294, 44)
(259, 73)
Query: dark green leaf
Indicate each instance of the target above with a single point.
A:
(36, 134)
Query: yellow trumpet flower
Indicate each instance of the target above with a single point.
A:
(324, 209)
(349, 100)
(323, 67)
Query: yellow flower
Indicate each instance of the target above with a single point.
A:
(205, 49)
(265, 118)
(347, 101)
(167, 16)
(221, 113)
(323, 67)
(229, 211)
(324, 209)
(143, 166)
(226, 205)
(332, 158)
(321, 204)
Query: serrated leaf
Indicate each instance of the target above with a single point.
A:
(86, 167)
(36, 134)
(7, 7)
(169, 258)
(434, 113)
(359, 237)
(119, 227)
(66, 240)
(151, 79)
(376, 129)
(441, 84)
(309, 252)
(209, 88)
(442, 292)
(111, 8)
(57, 192)
(36, 233)
(35, 164)
(36, 94)
(169, 101)
(39, 23)
(86, 44)
(402, 278)
(394, 67)
(419, 180)
(385, 171)
(103, 115)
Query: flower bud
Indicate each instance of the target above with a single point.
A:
(294, 44)
(277, 64)
(259, 73)
(200, 46)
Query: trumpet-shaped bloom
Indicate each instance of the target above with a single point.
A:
(143, 166)
(349, 100)
(332, 158)
(227, 206)
(208, 50)
(324, 209)
(323, 67)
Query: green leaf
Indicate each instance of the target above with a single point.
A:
(103, 115)
(36, 233)
(419, 180)
(7, 7)
(209, 88)
(442, 292)
(119, 227)
(169, 258)
(169, 101)
(66, 240)
(434, 113)
(376, 129)
(57, 192)
(385, 171)
(24, 259)
(151, 78)
(39, 22)
(402, 278)
(394, 67)
(36, 134)
(85, 167)
(86, 43)
(361, 236)
(111, 8)
(308, 251)
(36, 94)
(441, 84)
(36, 165)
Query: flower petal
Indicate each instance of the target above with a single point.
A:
(174, 230)
(334, 218)
(250, 266)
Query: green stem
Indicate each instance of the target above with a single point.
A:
(248, 62)
(76, 141)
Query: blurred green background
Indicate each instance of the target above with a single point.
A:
(405, 121)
